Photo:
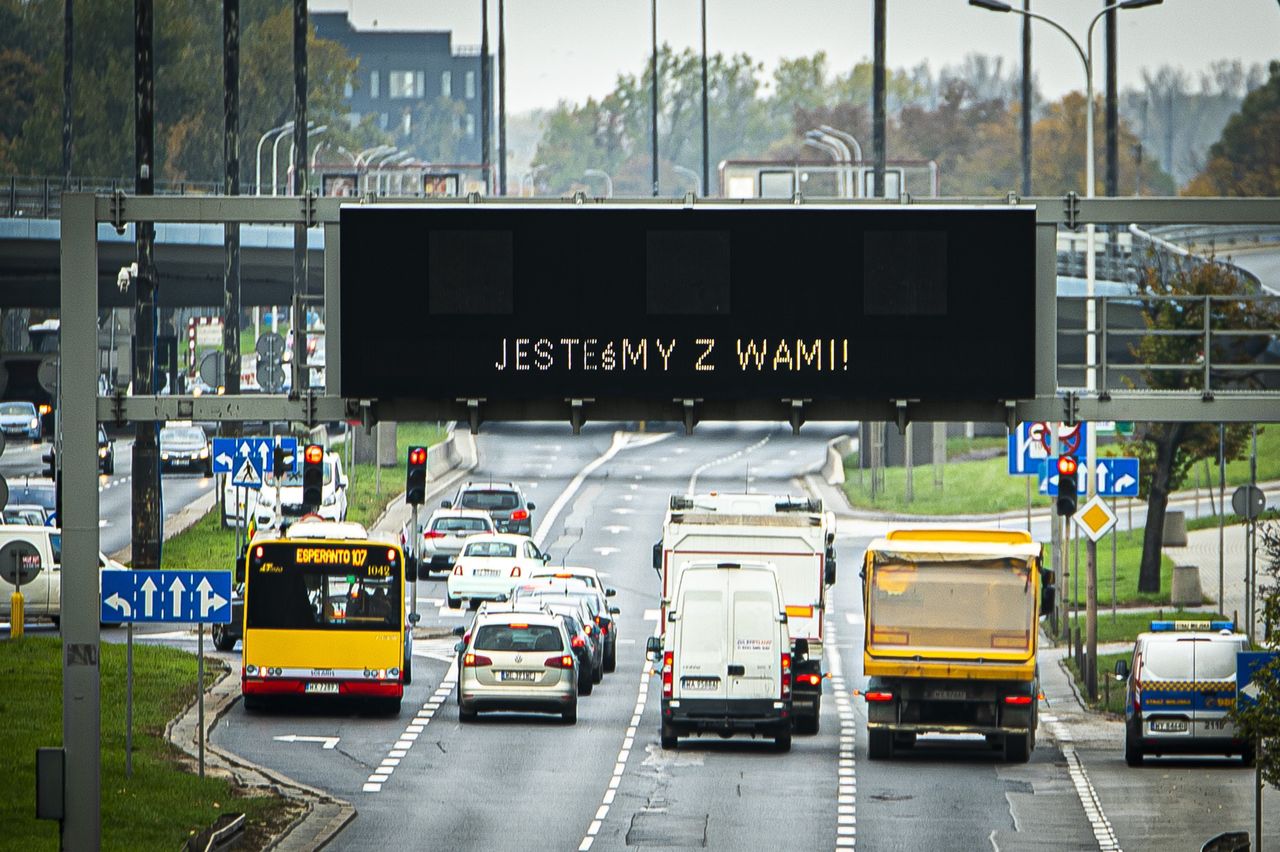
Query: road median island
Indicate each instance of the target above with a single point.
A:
(162, 803)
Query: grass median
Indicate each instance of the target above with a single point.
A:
(1128, 562)
(1110, 690)
(162, 804)
(1126, 626)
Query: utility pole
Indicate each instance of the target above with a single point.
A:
(706, 128)
(877, 98)
(653, 70)
(1113, 115)
(231, 186)
(68, 57)
(486, 107)
(301, 379)
(1026, 101)
(502, 100)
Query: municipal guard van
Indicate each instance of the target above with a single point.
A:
(1181, 688)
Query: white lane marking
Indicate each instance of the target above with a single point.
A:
(853, 617)
(846, 778)
(621, 441)
(1102, 830)
(606, 551)
(413, 730)
(328, 742)
(693, 479)
(620, 767)
(615, 529)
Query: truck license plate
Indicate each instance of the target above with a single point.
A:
(947, 694)
(323, 688)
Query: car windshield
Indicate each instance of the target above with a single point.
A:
(461, 525)
(503, 549)
(43, 497)
(182, 435)
(24, 516)
(518, 637)
(19, 409)
(489, 500)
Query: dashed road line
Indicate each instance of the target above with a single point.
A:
(412, 731)
(846, 766)
(619, 766)
(1102, 830)
(697, 471)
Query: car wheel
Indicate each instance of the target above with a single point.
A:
(465, 713)
(57, 621)
(808, 723)
(597, 673)
(1132, 748)
(570, 713)
(585, 684)
(221, 640)
(611, 656)
(454, 603)
(1249, 756)
(670, 736)
(879, 744)
(110, 467)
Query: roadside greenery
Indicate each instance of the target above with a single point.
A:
(1110, 691)
(1126, 626)
(162, 803)
(1261, 720)
(1128, 560)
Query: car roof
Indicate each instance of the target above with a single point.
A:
(490, 485)
(1158, 636)
(535, 617)
(461, 513)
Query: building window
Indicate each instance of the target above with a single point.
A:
(471, 126)
(446, 84)
(470, 85)
(373, 84)
(419, 84)
(400, 84)
(347, 89)
(382, 121)
(406, 124)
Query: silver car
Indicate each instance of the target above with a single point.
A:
(445, 533)
(517, 661)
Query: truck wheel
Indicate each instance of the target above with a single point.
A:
(904, 741)
(1017, 748)
(879, 744)
(782, 742)
(670, 737)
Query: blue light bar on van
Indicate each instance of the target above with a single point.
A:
(1169, 626)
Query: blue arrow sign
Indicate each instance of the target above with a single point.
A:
(1049, 478)
(229, 454)
(1247, 664)
(1030, 444)
(166, 596)
(1116, 477)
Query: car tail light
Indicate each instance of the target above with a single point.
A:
(1017, 700)
(578, 642)
(809, 679)
(515, 572)
(432, 534)
(475, 661)
(564, 661)
(604, 628)
(519, 515)
(786, 675)
(668, 666)
(876, 695)
(457, 569)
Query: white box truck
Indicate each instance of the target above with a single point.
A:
(726, 654)
(795, 536)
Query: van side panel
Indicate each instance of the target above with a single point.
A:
(754, 630)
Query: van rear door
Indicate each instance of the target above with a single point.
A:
(1214, 661)
(754, 652)
(701, 637)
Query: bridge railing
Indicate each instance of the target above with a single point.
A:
(40, 196)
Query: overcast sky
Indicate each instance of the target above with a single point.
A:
(572, 49)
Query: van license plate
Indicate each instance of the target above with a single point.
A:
(700, 683)
(1169, 726)
(519, 676)
(322, 688)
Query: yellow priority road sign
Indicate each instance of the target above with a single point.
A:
(1095, 518)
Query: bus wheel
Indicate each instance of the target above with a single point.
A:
(408, 670)
(388, 706)
(253, 704)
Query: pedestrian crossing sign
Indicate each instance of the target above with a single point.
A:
(247, 476)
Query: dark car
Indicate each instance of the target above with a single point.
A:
(40, 492)
(106, 453)
(503, 501)
(584, 648)
(185, 448)
(225, 636)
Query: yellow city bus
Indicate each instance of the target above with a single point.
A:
(325, 617)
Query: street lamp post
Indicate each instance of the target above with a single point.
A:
(654, 96)
(608, 181)
(258, 163)
(706, 129)
(293, 148)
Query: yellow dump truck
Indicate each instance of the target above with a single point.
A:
(951, 633)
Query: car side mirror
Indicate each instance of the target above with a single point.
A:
(531, 506)
(240, 569)
(546, 557)
(445, 504)
(608, 593)
(414, 618)
(782, 617)
(829, 571)
(1048, 594)
(653, 645)
(613, 610)
(459, 647)
(459, 631)
(802, 648)
(1122, 669)
(657, 556)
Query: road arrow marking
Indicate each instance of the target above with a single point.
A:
(148, 591)
(209, 600)
(329, 742)
(624, 510)
(617, 528)
(117, 602)
(176, 589)
(606, 551)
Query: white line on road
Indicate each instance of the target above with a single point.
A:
(412, 731)
(693, 480)
(847, 789)
(1102, 830)
(624, 754)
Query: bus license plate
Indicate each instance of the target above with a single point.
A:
(1169, 726)
(520, 676)
(323, 688)
(700, 683)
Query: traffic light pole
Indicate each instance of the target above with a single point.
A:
(1091, 573)
(415, 548)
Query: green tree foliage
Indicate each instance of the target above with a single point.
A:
(1261, 721)
(1246, 160)
(188, 73)
(1168, 450)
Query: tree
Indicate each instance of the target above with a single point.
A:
(1168, 450)
(1260, 722)
(1243, 162)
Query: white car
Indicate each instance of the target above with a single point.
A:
(490, 565)
(279, 504)
(43, 595)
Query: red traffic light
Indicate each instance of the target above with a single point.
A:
(314, 454)
(1067, 465)
(418, 455)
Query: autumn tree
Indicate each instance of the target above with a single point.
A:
(1243, 162)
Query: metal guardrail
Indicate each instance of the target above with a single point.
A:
(40, 197)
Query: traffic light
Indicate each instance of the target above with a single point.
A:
(1067, 485)
(50, 460)
(283, 462)
(415, 482)
(313, 476)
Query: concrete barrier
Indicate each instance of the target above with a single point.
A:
(833, 467)
(1186, 589)
(1175, 528)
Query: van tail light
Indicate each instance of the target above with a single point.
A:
(1017, 700)
(878, 695)
(457, 569)
(786, 675)
(578, 642)
(564, 661)
(475, 661)
(519, 515)
(668, 666)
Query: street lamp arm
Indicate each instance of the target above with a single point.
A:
(1080, 51)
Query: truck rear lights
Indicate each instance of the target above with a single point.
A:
(808, 679)
(1017, 700)
(878, 695)
(786, 675)
(667, 667)
(475, 661)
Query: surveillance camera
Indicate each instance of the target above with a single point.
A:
(126, 276)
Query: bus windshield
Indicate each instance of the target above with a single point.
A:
(309, 586)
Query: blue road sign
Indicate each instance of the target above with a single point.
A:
(1116, 477)
(230, 454)
(1032, 443)
(171, 596)
(1248, 663)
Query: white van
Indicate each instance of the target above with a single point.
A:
(42, 597)
(726, 654)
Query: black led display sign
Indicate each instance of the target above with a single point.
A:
(508, 302)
